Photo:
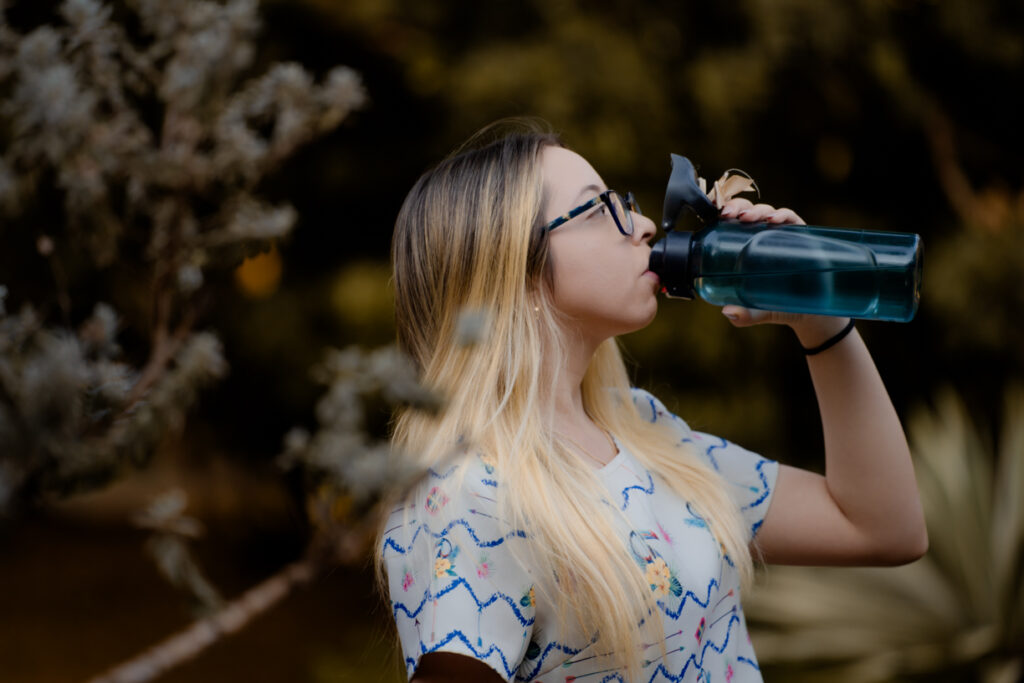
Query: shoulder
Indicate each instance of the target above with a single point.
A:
(455, 504)
(739, 466)
(653, 410)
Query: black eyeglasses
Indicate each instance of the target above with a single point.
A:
(622, 210)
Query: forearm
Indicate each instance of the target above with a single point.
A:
(868, 470)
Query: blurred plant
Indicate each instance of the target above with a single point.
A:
(130, 138)
(67, 416)
(351, 475)
(134, 139)
(351, 472)
(957, 614)
(172, 530)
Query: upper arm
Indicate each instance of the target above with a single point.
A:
(450, 667)
(804, 525)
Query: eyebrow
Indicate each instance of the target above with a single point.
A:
(583, 191)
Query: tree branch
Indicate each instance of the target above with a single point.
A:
(186, 644)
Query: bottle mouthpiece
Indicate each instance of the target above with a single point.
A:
(670, 261)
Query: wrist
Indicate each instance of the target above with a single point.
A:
(814, 330)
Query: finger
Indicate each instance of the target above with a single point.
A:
(734, 206)
(785, 217)
(756, 213)
(745, 317)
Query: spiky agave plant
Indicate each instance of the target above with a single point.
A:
(955, 615)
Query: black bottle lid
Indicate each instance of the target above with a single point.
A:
(671, 256)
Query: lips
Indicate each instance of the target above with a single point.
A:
(652, 274)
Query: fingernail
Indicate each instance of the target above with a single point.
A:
(770, 217)
(731, 316)
(741, 213)
(727, 211)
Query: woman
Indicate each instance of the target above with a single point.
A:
(583, 532)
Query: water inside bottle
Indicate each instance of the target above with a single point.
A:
(800, 272)
(851, 292)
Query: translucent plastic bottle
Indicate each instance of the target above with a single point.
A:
(796, 268)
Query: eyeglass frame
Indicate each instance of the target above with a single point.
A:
(629, 202)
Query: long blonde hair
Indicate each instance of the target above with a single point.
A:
(470, 236)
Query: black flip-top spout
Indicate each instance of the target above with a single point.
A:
(671, 256)
(683, 190)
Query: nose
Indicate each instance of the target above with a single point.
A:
(643, 228)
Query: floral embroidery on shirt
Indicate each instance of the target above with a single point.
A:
(407, 581)
(442, 566)
(528, 600)
(436, 500)
(657, 573)
(444, 563)
(662, 579)
(483, 569)
(489, 462)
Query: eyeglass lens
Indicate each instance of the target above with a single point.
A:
(621, 213)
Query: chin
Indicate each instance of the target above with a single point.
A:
(642, 321)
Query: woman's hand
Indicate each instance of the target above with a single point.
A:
(811, 330)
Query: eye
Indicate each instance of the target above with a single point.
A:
(600, 210)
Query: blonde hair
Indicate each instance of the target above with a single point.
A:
(470, 236)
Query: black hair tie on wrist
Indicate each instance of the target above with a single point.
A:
(831, 341)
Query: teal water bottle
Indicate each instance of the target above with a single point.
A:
(864, 274)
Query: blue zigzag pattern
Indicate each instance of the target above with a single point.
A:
(389, 542)
(757, 527)
(765, 486)
(709, 451)
(749, 662)
(481, 606)
(713, 583)
(479, 654)
(692, 659)
(434, 475)
(635, 487)
(540, 662)
(654, 408)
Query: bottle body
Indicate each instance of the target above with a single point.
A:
(804, 269)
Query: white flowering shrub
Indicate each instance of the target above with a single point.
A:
(131, 136)
(350, 471)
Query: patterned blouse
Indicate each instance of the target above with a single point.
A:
(455, 586)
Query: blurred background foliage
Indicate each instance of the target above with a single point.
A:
(955, 615)
(886, 114)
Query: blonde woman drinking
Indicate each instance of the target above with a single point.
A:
(585, 533)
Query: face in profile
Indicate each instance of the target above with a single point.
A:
(601, 281)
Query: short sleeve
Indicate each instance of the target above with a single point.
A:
(751, 477)
(453, 582)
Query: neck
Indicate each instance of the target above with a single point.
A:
(568, 398)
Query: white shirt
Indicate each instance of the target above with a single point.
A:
(455, 587)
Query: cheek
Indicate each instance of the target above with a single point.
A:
(580, 279)
(594, 285)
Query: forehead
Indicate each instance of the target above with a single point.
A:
(566, 176)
